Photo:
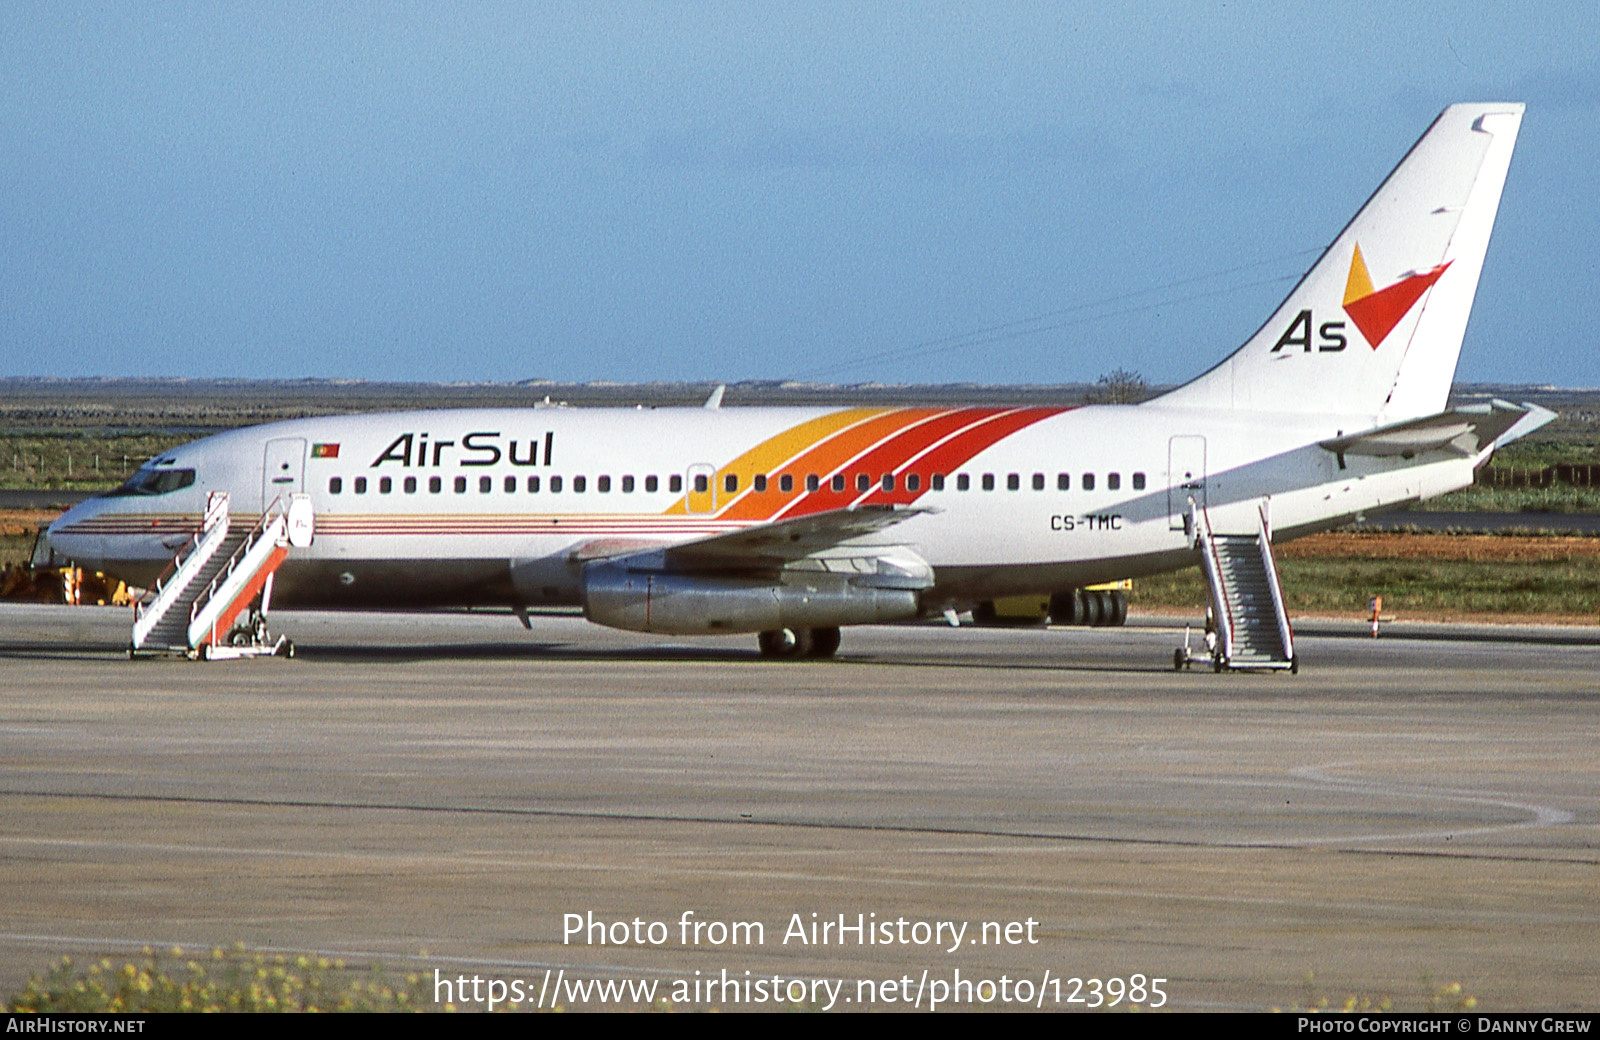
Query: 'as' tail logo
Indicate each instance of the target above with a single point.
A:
(1377, 312)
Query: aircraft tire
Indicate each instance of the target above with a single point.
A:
(825, 642)
(1091, 610)
(1119, 609)
(1065, 608)
(785, 644)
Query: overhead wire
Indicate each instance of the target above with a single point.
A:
(1045, 322)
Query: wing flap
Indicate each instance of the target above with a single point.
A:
(787, 540)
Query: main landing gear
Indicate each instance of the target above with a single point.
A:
(795, 643)
(1092, 608)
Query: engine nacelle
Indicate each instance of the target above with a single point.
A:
(685, 604)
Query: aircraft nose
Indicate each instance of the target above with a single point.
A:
(55, 544)
(43, 553)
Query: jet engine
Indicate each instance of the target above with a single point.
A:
(701, 604)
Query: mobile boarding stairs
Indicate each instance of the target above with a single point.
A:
(211, 602)
(1248, 628)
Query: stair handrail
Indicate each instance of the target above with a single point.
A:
(1285, 631)
(1221, 612)
(216, 512)
(214, 532)
(250, 539)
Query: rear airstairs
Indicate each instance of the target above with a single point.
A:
(212, 601)
(1249, 626)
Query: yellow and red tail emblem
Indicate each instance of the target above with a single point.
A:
(1377, 312)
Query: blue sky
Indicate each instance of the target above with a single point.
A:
(843, 192)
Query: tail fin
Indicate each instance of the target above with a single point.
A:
(1375, 327)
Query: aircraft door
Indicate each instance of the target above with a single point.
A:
(700, 483)
(1186, 477)
(283, 469)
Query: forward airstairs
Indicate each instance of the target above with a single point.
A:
(212, 601)
(1249, 626)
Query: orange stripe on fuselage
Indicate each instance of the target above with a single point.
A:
(958, 450)
(888, 456)
(774, 452)
(821, 460)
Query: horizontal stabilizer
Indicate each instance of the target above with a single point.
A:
(1467, 430)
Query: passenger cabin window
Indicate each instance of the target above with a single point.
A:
(436, 484)
(988, 482)
(702, 483)
(863, 482)
(555, 485)
(963, 482)
(674, 484)
(411, 485)
(579, 485)
(730, 483)
(761, 482)
(1063, 481)
(1013, 482)
(510, 484)
(838, 482)
(485, 485)
(385, 485)
(812, 483)
(627, 485)
(786, 483)
(461, 485)
(1088, 482)
(913, 482)
(602, 484)
(650, 484)
(1138, 482)
(361, 485)
(938, 482)
(1113, 481)
(1038, 482)
(533, 485)
(335, 485)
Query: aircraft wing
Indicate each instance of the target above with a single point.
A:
(818, 542)
(787, 540)
(1467, 430)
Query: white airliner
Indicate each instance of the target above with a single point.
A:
(791, 522)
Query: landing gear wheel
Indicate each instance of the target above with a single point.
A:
(287, 649)
(1119, 609)
(1091, 610)
(1065, 608)
(825, 642)
(785, 643)
(241, 637)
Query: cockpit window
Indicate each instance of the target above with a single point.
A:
(156, 481)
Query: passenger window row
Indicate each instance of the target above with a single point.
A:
(730, 483)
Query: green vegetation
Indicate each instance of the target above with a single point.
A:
(1436, 999)
(1480, 498)
(78, 461)
(1415, 588)
(223, 980)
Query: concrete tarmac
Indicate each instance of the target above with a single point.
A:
(438, 792)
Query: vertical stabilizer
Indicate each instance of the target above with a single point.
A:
(1375, 327)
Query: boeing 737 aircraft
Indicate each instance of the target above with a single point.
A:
(793, 522)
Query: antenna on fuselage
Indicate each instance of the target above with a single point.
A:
(715, 400)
